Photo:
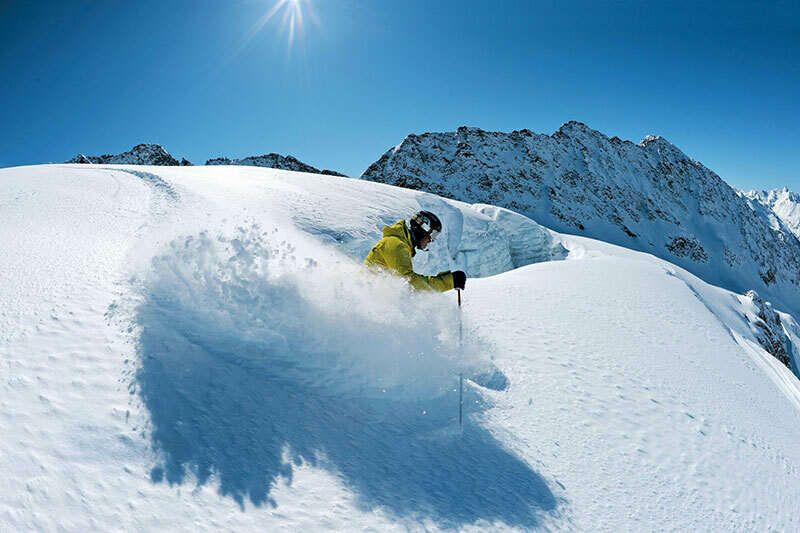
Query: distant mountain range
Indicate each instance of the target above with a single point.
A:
(784, 203)
(141, 154)
(273, 161)
(155, 154)
(648, 196)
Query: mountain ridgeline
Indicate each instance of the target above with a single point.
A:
(784, 203)
(156, 155)
(273, 160)
(141, 154)
(648, 196)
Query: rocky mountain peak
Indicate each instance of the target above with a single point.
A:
(273, 160)
(782, 203)
(658, 144)
(80, 159)
(648, 196)
(768, 328)
(141, 154)
(574, 127)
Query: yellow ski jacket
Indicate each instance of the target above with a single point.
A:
(394, 252)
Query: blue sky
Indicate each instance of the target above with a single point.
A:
(721, 81)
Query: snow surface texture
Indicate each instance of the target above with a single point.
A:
(198, 348)
(648, 196)
(272, 161)
(784, 203)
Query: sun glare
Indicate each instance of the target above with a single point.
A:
(292, 14)
(290, 17)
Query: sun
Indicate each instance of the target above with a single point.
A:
(293, 18)
(293, 14)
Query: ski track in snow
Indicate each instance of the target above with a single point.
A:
(160, 186)
(193, 348)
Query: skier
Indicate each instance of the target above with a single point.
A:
(398, 245)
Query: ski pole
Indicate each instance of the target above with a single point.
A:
(461, 352)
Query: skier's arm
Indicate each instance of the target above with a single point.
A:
(400, 261)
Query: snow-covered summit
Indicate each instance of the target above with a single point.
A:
(141, 154)
(273, 160)
(648, 196)
(783, 202)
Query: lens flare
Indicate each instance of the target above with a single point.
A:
(293, 15)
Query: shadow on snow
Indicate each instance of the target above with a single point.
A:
(237, 411)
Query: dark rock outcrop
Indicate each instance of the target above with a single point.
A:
(141, 154)
(273, 160)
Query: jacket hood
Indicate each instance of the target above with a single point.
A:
(399, 230)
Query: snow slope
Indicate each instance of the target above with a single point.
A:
(198, 348)
(648, 196)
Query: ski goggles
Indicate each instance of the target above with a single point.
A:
(433, 234)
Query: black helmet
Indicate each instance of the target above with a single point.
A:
(424, 223)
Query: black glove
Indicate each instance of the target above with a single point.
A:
(459, 279)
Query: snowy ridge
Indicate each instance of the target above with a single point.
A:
(155, 154)
(200, 348)
(141, 154)
(272, 160)
(783, 202)
(648, 196)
